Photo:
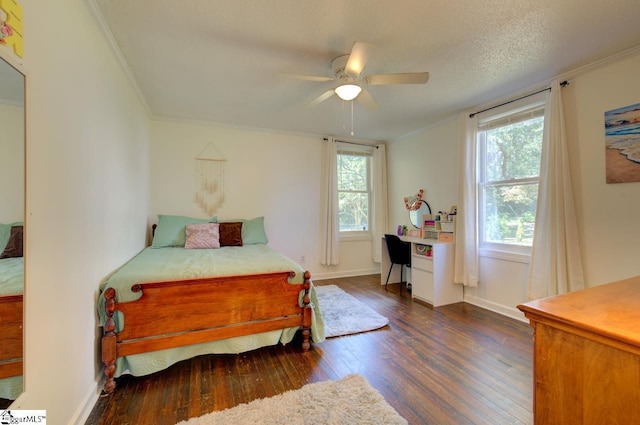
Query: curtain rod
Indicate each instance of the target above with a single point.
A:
(351, 143)
(562, 84)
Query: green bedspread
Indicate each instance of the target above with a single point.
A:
(11, 388)
(11, 276)
(11, 283)
(157, 264)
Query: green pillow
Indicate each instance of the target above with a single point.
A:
(5, 233)
(171, 229)
(253, 231)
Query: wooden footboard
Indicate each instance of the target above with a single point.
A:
(178, 313)
(11, 317)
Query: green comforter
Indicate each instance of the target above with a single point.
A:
(11, 283)
(11, 276)
(157, 264)
(11, 388)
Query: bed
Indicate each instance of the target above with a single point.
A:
(171, 302)
(11, 310)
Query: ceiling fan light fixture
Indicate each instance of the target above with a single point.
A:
(348, 91)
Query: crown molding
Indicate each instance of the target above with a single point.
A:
(600, 63)
(106, 30)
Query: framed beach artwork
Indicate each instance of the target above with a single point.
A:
(622, 144)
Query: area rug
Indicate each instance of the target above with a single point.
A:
(348, 401)
(345, 315)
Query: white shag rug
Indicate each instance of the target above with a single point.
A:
(345, 315)
(348, 401)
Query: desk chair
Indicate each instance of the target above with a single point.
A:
(399, 253)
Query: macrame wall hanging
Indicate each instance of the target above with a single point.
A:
(209, 180)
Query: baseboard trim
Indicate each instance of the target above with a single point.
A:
(18, 402)
(347, 273)
(511, 312)
(503, 310)
(83, 411)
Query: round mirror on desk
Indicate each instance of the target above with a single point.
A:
(419, 208)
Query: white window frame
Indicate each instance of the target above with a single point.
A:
(533, 106)
(365, 151)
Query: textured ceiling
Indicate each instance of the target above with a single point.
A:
(219, 60)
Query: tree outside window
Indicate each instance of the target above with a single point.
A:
(509, 175)
(354, 191)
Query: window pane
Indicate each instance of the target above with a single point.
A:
(352, 172)
(513, 151)
(354, 211)
(510, 213)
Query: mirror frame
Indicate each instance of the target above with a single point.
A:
(416, 213)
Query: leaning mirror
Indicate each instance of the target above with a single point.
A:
(12, 201)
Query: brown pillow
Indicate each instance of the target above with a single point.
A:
(14, 246)
(231, 234)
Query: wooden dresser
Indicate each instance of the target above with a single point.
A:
(587, 355)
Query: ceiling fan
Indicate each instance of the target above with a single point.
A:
(347, 70)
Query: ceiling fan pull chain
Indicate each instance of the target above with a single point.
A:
(343, 125)
(352, 133)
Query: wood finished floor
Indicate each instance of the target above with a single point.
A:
(457, 364)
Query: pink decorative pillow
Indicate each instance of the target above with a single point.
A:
(202, 236)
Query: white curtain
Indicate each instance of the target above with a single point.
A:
(379, 216)
(466, 248)
(329, 250)
(556, 263)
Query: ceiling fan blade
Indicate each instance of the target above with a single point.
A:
(367, 101)
(408, 78)
(306, 77)
(324, 96)
(358, 58)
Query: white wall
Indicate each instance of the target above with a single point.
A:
(11, 163)
(607, 214)
(87, 199)
(270, 174)
(425, 160)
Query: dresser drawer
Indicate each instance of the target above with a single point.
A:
(421, 262)
(445, 237)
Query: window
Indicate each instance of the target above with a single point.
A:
(510, 146)
(354, 189)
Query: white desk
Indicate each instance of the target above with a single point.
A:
(431, 277)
